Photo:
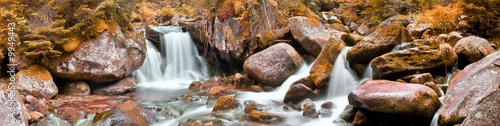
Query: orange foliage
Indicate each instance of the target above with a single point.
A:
(442, 18)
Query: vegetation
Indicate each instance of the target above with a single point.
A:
(483, 16)
(441, 18)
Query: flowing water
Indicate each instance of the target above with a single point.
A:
(168, 71)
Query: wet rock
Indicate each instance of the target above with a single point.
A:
(219, 91)
(250, 107)
(125, 85)
(40, 106)
(188, 97)
(310, 110)
(273, 65)
(263, 117)
(153, 36)
(487, 112)
(473, 48)
(381, 41)
(397, 19)
(109, 57)
(35, 116)
(395, 98)
(297, 93)
(434, 87)
(349, 113)
(334, 20)
(77, 88)
(126, 114)
(302, 104)
(360, 119)
(12, 110)
(424, 56)
(310, 33)
(35, 80)
(196, 85)
(351, 39)
(225, 103)
(363, 29)
(453, 38)
(325, 113)
(469, 87)
(69, 114)
(30, 99)
(416, 30)
(255, 88)
(268, 88)
(422, 78)
(322, 67)
(328, 105)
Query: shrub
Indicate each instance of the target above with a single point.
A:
(483, 16)
(441, 18)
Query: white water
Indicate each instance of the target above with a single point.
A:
(174, 66)
(343, 79)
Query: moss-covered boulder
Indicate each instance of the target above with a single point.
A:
(225, 103)
(381, 41)
(109, 57)
(36, 81)
(322, 67)
(423, 56)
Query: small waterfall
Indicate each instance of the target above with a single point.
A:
(343, 79)
(175, 65)
(151, 68)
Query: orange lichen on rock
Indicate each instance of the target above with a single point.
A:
(225, 103)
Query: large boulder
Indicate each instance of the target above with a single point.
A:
(229, 42)
(473, 83)
(35, 80)
(487, 112)
(453, 38)
(310, 33)
(322, 67)
(109, 57)
(422, 56)
(273, 65)
(395, 98)
(473, 48)
(379, 42)
(12, 110)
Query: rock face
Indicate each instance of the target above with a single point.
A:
(310, 33)
(36, 81)
(395, 98)
(423, 56)
(76, 88)
(273, 65)
(109, 57)
(487, 112)
(473, 48)
(379, 42)
(229, 42)
(322, 67)
(120, 87)
(473, 83)
(19, 115)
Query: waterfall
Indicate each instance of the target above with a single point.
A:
(175, 65)
(343, 79)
